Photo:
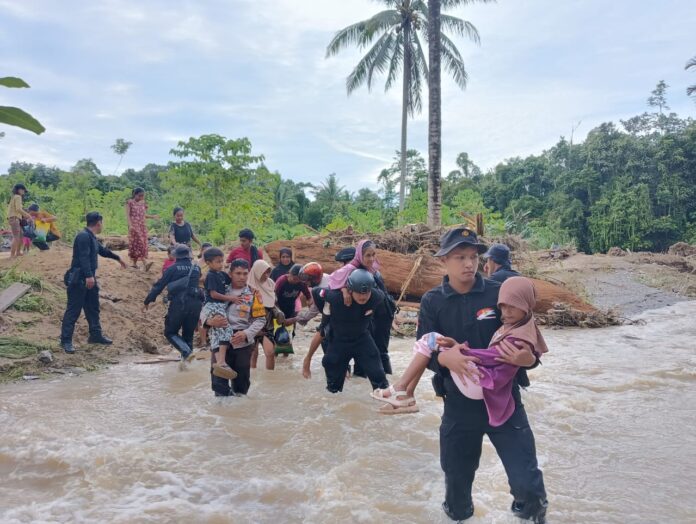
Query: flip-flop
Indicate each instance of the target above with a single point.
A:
(378, 394)
(388, 409)
(224, 372)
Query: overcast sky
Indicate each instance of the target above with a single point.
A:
(158, 71)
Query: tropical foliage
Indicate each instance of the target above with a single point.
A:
(631, 184)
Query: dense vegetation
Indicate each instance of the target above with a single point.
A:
(631, 185)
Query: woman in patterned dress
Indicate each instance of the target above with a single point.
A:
(136, 213)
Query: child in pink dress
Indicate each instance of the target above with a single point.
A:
(495, 378)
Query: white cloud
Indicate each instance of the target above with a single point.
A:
(158, 71)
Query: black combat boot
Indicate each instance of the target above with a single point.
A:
(98, 338)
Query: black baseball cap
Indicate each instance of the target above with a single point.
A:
(498, 253)
(345, 255)
(460, 236)
(182, 251)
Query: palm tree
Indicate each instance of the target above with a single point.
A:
(437, 53)
(691, 63)
(399, 31)
(434, 116)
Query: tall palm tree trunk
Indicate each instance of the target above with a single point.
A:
(434, 116)
(404, 116)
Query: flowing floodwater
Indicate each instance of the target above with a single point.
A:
(612, 410)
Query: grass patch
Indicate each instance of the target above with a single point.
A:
(33, 303)
(16, 348)
(12, 275)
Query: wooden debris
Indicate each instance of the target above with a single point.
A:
(562, 315)
(396, 268)
(12, 294)
(158, 360)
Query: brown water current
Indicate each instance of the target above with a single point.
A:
(613, 411)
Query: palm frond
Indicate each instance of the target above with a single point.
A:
(364, 70)
(352, 35)
(691, 90)
(460, 27)
(382, 59)
(382, 21)
(449, 4)
(453, 62)
(396, 61)
(418, 76)
(691, 63)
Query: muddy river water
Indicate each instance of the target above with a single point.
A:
(613, 411)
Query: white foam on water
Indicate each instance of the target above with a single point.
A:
(612, 411)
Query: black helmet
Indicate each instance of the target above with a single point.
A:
(361, 281)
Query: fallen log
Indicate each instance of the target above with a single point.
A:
(396, 268)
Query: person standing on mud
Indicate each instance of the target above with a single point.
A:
(15, 213)
(465, 308)
(241, 317)
(81, 283)
(185, 301)
(136, 214)
(498, 266)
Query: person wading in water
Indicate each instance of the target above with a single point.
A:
(464, 308)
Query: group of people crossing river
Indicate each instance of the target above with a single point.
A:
(478, 335)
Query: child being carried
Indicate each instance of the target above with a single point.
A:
(217, 298)
(493, 378)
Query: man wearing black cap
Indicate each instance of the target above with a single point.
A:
(81, 283)
(498, 266)
(465, 308)
(185, 300)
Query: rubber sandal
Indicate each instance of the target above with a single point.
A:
(388, 409)
(378, 394)
(224, 372)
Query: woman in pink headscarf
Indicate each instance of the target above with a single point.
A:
(366, 258)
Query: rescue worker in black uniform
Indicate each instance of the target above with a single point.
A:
(464, 307)
(185, 300)
(498, 266)
(348, 332)
(81, 283)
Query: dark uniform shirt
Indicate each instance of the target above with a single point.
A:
(86, 247)
(182, 233)
(471, 317)
(179, 269)
(349, 322)
(503, 274)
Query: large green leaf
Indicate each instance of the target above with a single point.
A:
(12, 81)
(16, 117)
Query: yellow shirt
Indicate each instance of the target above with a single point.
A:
(14, 209)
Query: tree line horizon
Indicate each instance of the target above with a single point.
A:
(630, 185)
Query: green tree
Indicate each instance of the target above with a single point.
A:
(13, 116)
(397, 34)
(658, 97)
(692, 88)
(120, 147)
